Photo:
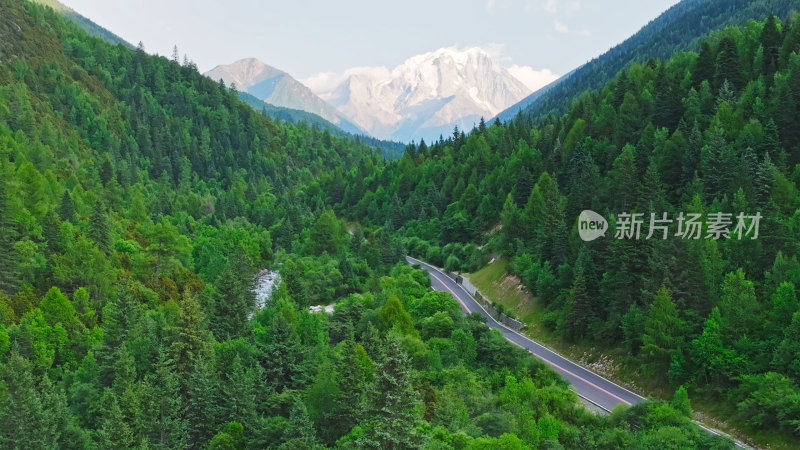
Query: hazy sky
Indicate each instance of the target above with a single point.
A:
(305, 38)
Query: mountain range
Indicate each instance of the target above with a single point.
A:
(278, 88)
(426, 95)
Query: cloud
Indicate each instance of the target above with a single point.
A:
(551, 6)
(532, 78)
(563, 29)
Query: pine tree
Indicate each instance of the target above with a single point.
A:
(21, 409)
(301, 430)
(50, 230)
(393, 404)
(9, 268)
(66, 210)
(165, 424)
(106, 172)
(522, 187)
(680, 401)
(715, 164)
(237, 394)
(233, 301)
(771, 42)
(281, 354)
(668, 106)
(115, 431)
(704, 67)
(662, 333)
(98, 227)
(357, 372)
(787, 355)
(763, 181)
(190, 338)
(202, 412)
(715, 364)
(727, 66)
(579, 313)
(738, 306)
(626, 180)
(119, 318)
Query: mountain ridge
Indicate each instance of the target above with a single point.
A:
(681, 27)
(278, 88)
(427, 94)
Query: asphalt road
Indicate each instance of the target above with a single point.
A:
(597, 392)
(591, 387)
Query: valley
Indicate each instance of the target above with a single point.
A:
(243, 259)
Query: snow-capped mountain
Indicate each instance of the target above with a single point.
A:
(425, 96)
(278, 88)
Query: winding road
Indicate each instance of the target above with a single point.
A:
(597, 392)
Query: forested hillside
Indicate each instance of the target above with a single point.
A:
(90, 27)
(389, 149)
(681, 28)
(703, 133)
(138, 199)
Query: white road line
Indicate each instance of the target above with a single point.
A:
(736, 442)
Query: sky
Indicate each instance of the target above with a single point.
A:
(536, 39)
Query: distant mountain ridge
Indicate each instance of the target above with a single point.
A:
(427, 95)
(83, 22)
(389, 149)
(679, 28)
(278, 88)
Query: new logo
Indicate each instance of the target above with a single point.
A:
(591, 225)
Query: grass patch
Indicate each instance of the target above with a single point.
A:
(496, 284)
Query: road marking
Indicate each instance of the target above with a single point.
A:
(736, 442)
(466, 308)
(538, 345)
(529, 351)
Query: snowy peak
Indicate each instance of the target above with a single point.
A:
(426, 95)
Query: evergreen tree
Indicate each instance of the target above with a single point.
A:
(787, 354)
(98, 227)
(66, 210)
(190, 341)
(727, 66)
(233, 301)
(704, 67)
(301, 431)
(114, 432)
(9, 264)
(662, 333)
(392, 411)
(680, 401)
(771, 42)
(202, 412)
(579, 313)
